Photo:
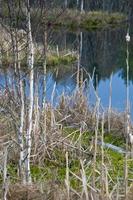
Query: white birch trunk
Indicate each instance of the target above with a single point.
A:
(127, 117)
(66, 3)
(81, 44)
(52, 110)
(36, 130)
(36, 107)
(79, 58)
(77, 3)
(82, 6)
(30, 122)
(44, 85)
(110, 104)
(21, 130)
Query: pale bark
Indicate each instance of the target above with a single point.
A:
(36, 127)
(84, 181)
(95, 142)
(127, 117)
(21, 130)
(110, 104)
(80, 48)
(77, 3)
(67, 181)
(30, 114)
(44, 85)
(82, 6)
(52, 110)
(66, 3)
(36, 106)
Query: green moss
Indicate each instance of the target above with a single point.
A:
(61, 173)
(114, 139)
(75, 183)
(12, 171)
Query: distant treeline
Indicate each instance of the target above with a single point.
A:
(125, 6)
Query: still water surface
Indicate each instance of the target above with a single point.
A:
(104, 50)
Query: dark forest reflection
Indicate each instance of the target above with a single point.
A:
(104, 50)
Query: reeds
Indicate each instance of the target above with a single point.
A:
(73, 134)
(74, 114)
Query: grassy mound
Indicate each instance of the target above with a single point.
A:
(74, 19)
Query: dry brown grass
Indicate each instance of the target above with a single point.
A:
(49, 191)
(24, 192)
(72, 112)
(130, 193)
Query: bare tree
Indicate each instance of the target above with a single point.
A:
(82, 6)
(21, 129)
(30, 61)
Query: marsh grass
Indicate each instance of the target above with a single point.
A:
(74, 19)
(73, 132)
(53, 60)
(54, 57)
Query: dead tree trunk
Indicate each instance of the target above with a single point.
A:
(30, 61)
(82, 6)
(44, 84)
(21, 129)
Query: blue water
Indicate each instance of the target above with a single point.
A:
(103, 50)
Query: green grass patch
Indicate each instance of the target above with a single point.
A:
(54, 167)
(55, 60)
(74, 19)
(52, 60)
(114, 139)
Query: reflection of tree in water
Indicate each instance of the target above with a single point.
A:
(123, 73)
(103, 50)
(62, 73)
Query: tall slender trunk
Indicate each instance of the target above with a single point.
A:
(110, 104)
(127, 116)
(21, 129)
(95, 143)
(44, 84)
(77, 4)
(30, 114)
(36, 127)
(82, 6)
(66, 3)
(80, 48)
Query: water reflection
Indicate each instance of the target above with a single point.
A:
(104, 50)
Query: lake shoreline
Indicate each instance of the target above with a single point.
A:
(74, 19)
